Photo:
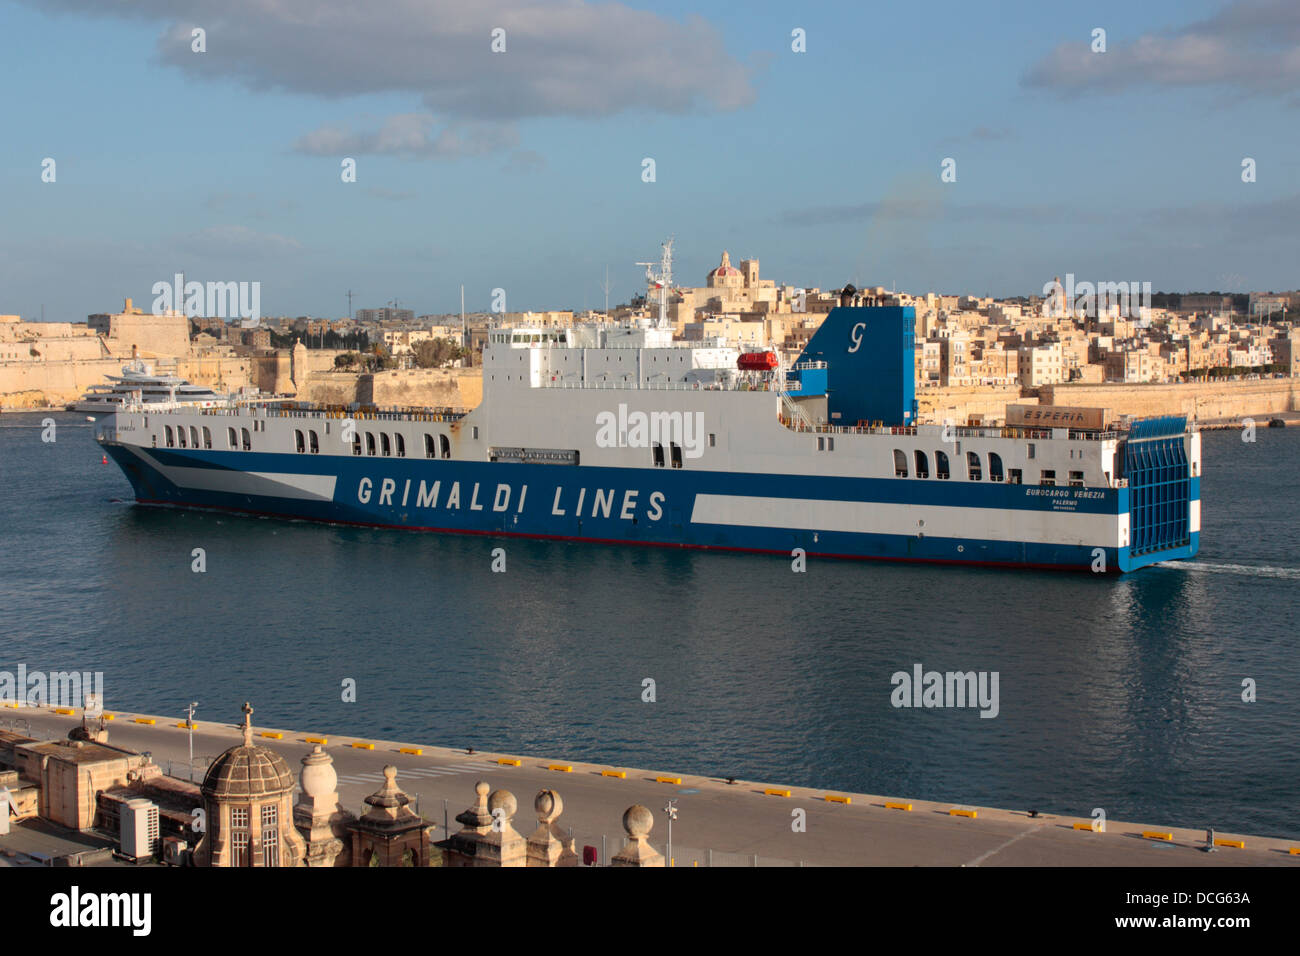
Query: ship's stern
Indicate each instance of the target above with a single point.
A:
(1161, 492)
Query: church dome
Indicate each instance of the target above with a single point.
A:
(725, 268)
(248, 771)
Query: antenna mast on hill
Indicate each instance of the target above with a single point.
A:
(349, 305)
(605, 288)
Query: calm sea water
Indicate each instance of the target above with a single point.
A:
(1116, 693)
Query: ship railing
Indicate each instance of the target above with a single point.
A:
(377, 414)
(800, 423)
(795, 414)
(667, 386)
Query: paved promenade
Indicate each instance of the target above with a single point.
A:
(738, 822)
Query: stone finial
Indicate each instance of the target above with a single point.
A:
(505, 801)
(318, 815)
(548, 806)
(248, 724)
(548, 846)
(502, 845)
(638, 821)
(477, 818)
(318, 777)
(388, 803)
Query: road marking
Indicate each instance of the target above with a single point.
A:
(998, 849)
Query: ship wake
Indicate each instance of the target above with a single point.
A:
(1252, 570)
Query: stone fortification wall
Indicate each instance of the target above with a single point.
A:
(1201, 401)
(458, 388)
(44, 384)
(959, 404)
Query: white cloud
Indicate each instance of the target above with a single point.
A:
(235, 242)
(412, 135)
(1252, 46)
(563, 57)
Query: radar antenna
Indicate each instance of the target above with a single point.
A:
(662, 281)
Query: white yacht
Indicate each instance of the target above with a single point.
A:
(139, 385)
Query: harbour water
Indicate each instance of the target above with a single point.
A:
(1118, 693)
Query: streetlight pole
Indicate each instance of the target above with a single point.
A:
(671, 810)
(189, 726)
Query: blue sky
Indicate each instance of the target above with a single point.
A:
(522, 170)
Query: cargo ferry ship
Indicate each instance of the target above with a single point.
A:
(621, 435)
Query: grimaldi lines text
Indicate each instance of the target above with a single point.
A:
(622, 435)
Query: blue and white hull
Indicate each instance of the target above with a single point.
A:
(883, 519)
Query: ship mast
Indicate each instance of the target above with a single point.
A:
(662, 281)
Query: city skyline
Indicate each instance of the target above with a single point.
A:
(484, 169)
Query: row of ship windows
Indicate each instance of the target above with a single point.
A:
(394, 447)
(974, 469)
(306, 442)
(441, 447)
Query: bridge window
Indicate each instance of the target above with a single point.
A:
(314, 442)
(232, 438)
(401, 445)
(1014, 476)
(995, 466)
(941, 465)
(168, 430)
(298, 444)
(207, 437)
(430, 449)
(1048, 478)
(1076, 479)
(248, 441)
(973, 470)
(677, 454)
(370, 443)
(445, 445)
(385, 446)
(658, 452)
(922, 465)
(900, 463)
